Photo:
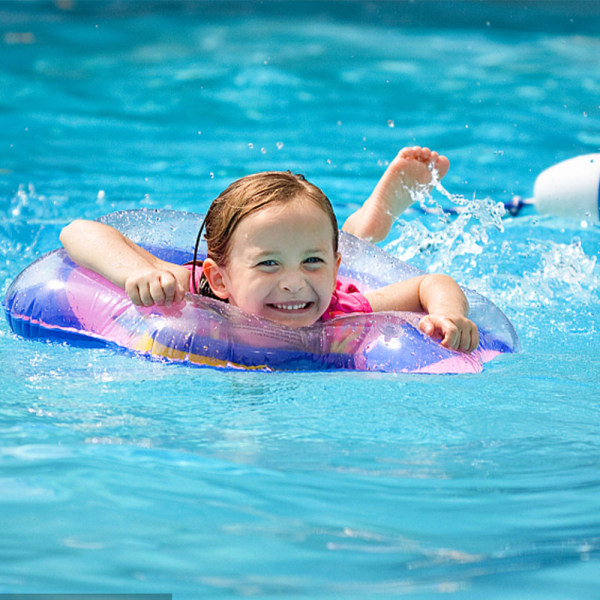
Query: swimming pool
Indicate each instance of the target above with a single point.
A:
(123, 475)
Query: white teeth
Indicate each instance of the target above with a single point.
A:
(291, 306)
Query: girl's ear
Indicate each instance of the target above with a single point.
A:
(338, 260)
(216, 278)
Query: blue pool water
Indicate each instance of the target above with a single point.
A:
(123, 475)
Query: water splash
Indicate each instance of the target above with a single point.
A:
(461, 230)
(28, 204)
(521, 273)
(564, 273)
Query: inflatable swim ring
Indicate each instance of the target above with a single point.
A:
(54, 299)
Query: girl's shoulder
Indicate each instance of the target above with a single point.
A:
(346, 298)
(195, 274)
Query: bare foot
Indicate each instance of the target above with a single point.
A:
(413, 168)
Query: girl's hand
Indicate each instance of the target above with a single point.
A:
(155, 286)
(454, 332)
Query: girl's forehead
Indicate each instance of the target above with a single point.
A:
(301, 220)
(292, 207)
(299, 212)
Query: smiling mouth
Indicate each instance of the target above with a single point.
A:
(292, 306)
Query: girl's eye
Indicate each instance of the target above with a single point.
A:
(314, 260)
(267, 263)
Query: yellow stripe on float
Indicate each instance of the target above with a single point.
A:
(147, 345)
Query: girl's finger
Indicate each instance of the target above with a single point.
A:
(156, 292)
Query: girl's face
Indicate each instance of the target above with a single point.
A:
(281, 264)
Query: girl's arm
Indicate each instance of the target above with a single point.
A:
(147, 279)
(443, 300)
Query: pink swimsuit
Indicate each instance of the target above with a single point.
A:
(345, 299)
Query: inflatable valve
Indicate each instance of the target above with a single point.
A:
(570, 188)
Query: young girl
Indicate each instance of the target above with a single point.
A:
(272, 250)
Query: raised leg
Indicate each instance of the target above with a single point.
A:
(412, 167)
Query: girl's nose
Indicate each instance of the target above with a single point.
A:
(292, 282)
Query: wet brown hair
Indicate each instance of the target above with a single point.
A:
(247, 196)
